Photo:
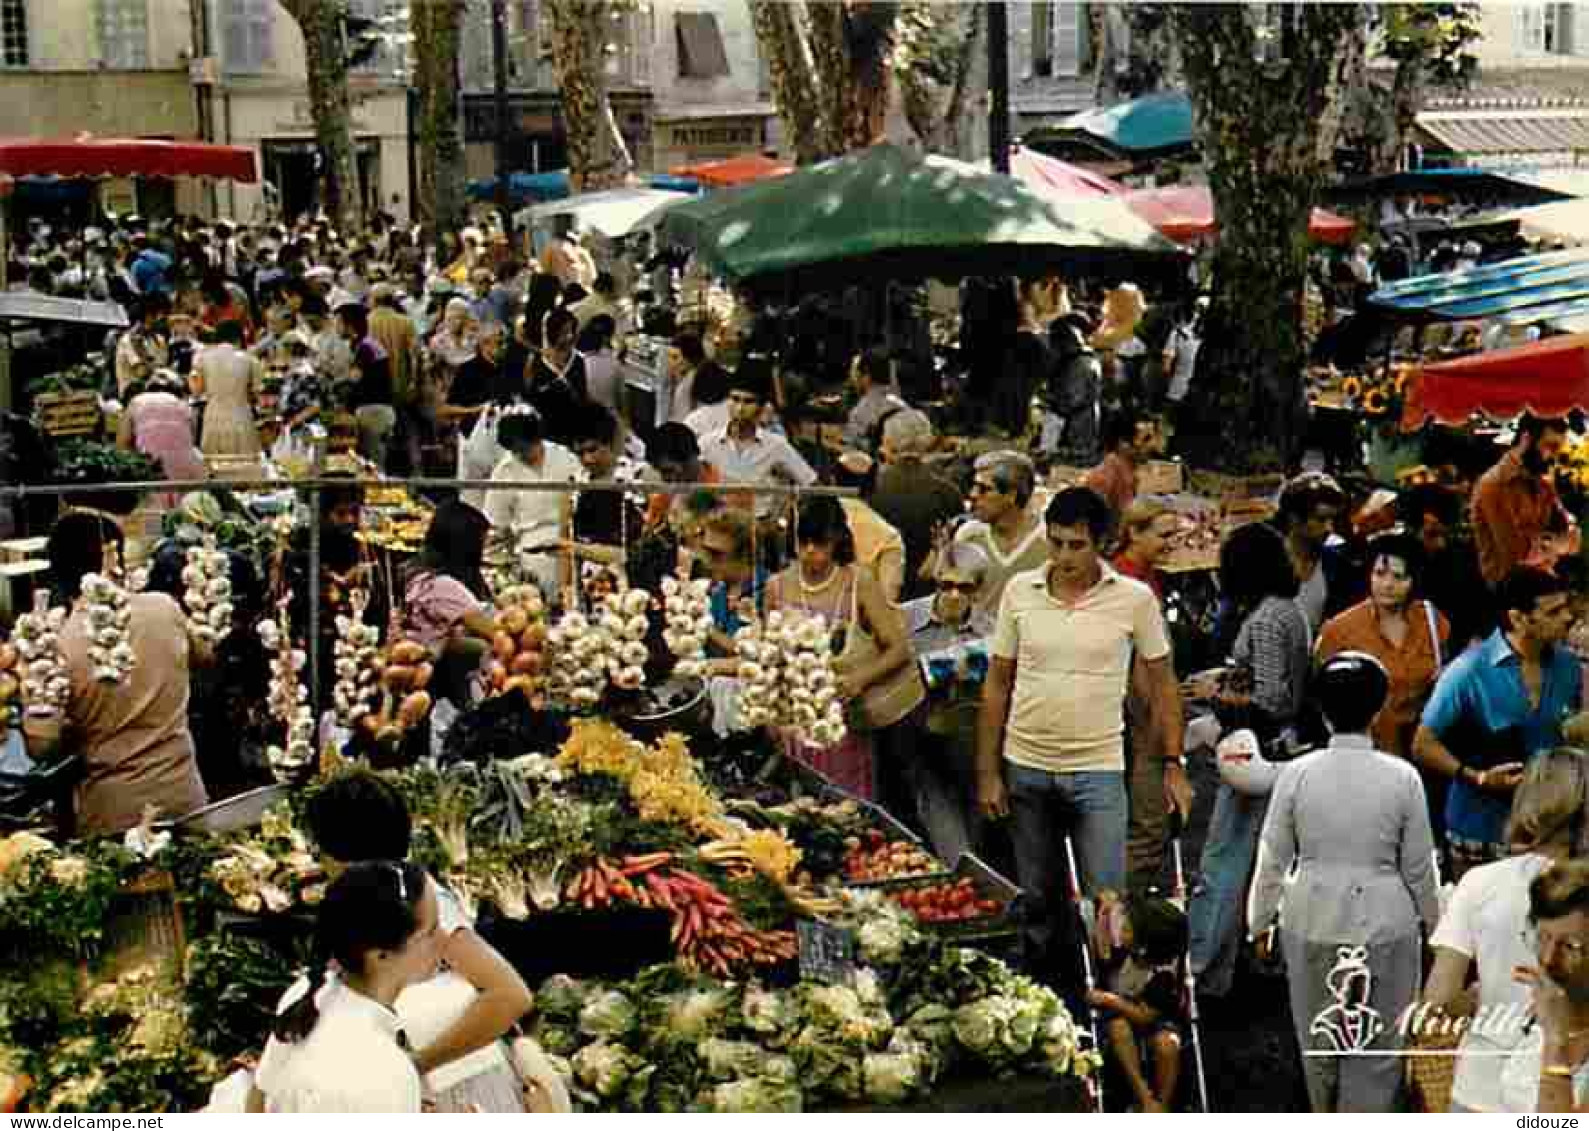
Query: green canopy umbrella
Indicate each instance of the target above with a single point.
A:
(886, 213)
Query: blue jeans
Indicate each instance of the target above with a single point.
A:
(1218, 911)
(1090, 807)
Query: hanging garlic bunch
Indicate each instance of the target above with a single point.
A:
(787, 678)
(606, 646)
(207, 592)
(689, 620)
(45, 684)
(108, 619)
(355, 651)
(289, 698)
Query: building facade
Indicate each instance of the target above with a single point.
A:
(112, 68)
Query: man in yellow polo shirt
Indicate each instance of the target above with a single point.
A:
(1050, 739)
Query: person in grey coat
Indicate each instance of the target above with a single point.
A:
(1353, 822)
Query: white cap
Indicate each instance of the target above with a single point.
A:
(1242, 765)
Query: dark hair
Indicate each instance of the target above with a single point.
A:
(557, 320)
(1351, 688)
(520, 429)
(1398, 544)
(712, 382)
(1254, 564)
(337, 495)
(455, 545)
(77, 546)
(674, 443)
(604, 283)
(1535, 427)
(597, 333)
(688, 343)
(374, 905)
(1121, 428)
(876, 364)
(1299, 497)
(1158, 927)
(1559, 890)
(753, 376)
(594, 423)
(230, 331)
(314, 306)
(1080, 506)
(1427, 498)
(359, 816)
(356, 318)
(821, 520)
(1521, 591)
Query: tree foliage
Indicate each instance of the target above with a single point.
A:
(935, 57)
(1261, 90)
(1431, 44)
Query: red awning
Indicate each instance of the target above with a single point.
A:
(1185, 212)
(124, 157)
(733, 170)
(1059, 178)
(1549, 377)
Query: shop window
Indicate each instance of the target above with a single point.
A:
(14, 33)
(700, 42)
(123, 27)
(1540, 28)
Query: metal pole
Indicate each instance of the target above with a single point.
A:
(499, 67)
(312, 646)
(343, 482)
(411, 105)
(999, 86)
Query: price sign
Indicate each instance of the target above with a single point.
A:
(827, 953)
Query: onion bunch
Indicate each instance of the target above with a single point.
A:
(289, 698)
(45, 685)
(689, 620)
(354, 652)
(518, 647)
(207, 592)
(787, 677)
(608, 646)
(109, 617)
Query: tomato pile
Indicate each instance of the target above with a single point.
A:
(947, 902)
(874, 857)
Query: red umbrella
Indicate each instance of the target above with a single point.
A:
(1185, 212)
(125, 157)
(733, 171)
(1059, 178)
(1550, 377)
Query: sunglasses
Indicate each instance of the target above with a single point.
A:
(958, 586)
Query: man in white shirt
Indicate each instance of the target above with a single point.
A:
(871, 376)
(745, 453)
(537, 520)
(1050, 747)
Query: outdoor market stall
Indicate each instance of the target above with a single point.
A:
(733, 171)
(1186, 212)
(1550, 378)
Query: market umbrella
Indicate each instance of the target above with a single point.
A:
(742, 170)
(614, 213)
(1153, 124)
(533, 188)
(1058, 178)
(125, 157)
(1185, 212)
(1550, 378)
(898, 214)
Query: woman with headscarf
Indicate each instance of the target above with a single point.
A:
(1352, 823)
(454, 342)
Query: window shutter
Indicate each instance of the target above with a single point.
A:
(14, 33)
(1069, 20)
(1576, 40)
(123, 28)
(701, 53)
(1042, 38)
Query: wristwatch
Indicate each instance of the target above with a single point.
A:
(1178, 760)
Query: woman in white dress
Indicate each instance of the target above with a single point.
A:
(231, 380)
(337, 1045)
(456, 1020)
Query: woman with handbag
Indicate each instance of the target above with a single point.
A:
(872, 650)
(1263, 690)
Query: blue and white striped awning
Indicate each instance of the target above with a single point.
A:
(1527, 290)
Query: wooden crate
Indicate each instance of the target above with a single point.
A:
(145, 927)
(68, 414)
(1161, 477)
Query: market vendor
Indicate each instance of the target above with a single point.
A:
(444, 598)
(536, 521)
(605, 523)
(1515, 501)
(132, 734)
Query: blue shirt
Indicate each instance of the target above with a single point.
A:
(725, 614)
(1478, 699)
(149, 271)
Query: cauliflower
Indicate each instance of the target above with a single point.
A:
(609, 1015)
(769, 1014)
(692, 1015)
(726, 1060)
(560, 998)
(604, 1068)
(755, 1095)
